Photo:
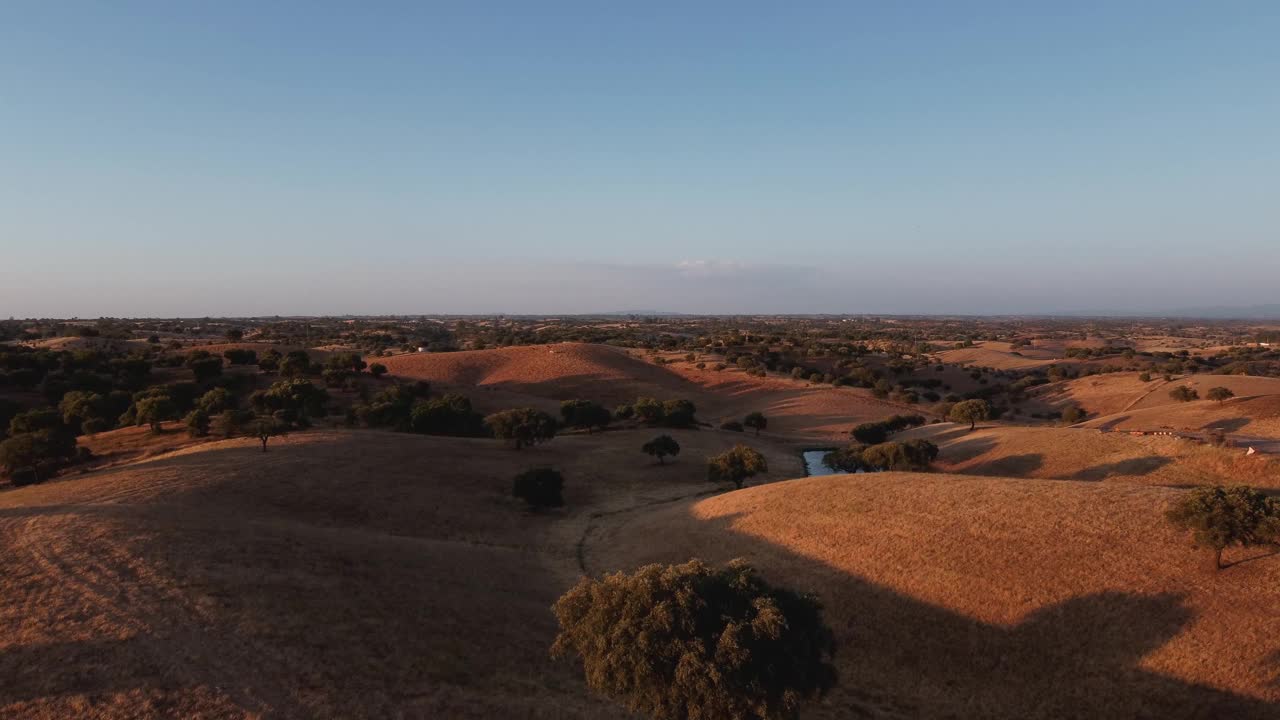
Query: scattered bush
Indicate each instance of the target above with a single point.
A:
(524, 426)
(539, 487)
(732, 426)
(1184, 393)
(874, 433)
(756, 421)
(661, 446)
(1220, 394)
(584, 414)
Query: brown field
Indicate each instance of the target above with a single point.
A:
(367, 574)
(543, 375)
(964, 597)
(1000, 356)
(340, 574)
(1091, 455)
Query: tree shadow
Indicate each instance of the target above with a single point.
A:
(1228, 425)
(1113, 423)
(1134, 467)
(967, 450)
(903, 657)
(1010, 466)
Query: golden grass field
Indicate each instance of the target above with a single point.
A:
(368, 574)
(966, 597)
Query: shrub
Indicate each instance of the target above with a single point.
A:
(524, 426)
(736, 465)
(585, 414)
(689, 641)
(539, 487)
(731, 425)
(874, 433)
(377, 370)
(756, 421)
(1220, 394)
(1219, 517)
(1184, 393)
(847, 459)
(1072, 415)
(661, 446)
(447, 415)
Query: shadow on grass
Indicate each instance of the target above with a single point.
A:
(1135, 467)
(902, 657)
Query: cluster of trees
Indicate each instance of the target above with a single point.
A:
(522, 426)
(678, 413)
(39, 444)
(913, 455)
(690, 641)
(874, 433)
(409, 407)
(585, 415)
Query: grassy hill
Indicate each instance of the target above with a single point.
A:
(958, 596)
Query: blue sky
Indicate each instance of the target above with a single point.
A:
(278, 158)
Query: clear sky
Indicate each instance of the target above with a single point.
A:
(235, 158)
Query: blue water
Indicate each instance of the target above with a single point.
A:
(813, 464)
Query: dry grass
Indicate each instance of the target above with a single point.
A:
(1000, 356)
(340, 574)
(966, 597)
(1090, 455)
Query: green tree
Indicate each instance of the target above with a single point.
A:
(1219, 517)
(197, 422)
(377, 370)
(969, 411)
(539, 487)
(266, 427)
(523, 426)
(660, 447)
(688, 641)
(585, 414)
(204, 366)
(756, 421)
(1072, 415)
(736, 465)
(154, 410)
(215, 401)
(1184, 393)
(1220, 394)
(846, 459)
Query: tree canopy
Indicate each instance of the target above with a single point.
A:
(689, 641)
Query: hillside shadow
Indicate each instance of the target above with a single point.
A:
(1131, 467)
(1113, 423)
(967, 450)
(1080, 658)
(1011, 466)
(1228, 424)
